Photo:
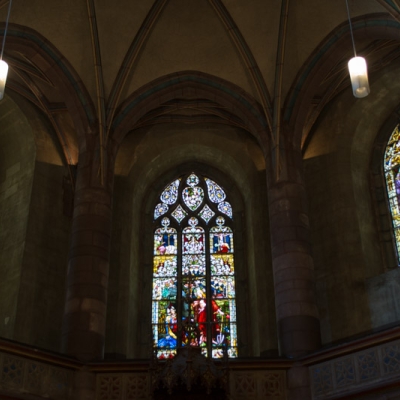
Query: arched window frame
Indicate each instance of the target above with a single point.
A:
(176, 228)
(391, 170)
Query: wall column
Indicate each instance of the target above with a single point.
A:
(293, 268)
(84, 321)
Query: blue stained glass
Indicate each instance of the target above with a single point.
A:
(165, 240)
(160, 209)
(215, 192)
(164, 288)
(192, 180)
(165, 328)
(170, 193)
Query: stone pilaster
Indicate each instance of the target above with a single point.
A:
(296, 310)
(87, 280)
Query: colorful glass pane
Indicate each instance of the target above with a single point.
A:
(194, 288)
(164, 266)
(193, 264)
(165, 240)
(193, 197)
(170, 193)
(192, 180)
(193, 239)
(206, 213)
(201, 282)
(160, 209)
(392, 175)
(165, 327)
(222, 264)
(225, 208)
(164, 288)
(223, 286)
(215, 192)
(221, 240)
(179, 213)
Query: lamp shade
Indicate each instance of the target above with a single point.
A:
(3, 77)
(359, 76)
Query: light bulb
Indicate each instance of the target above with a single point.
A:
(3, 77)
(359, 76)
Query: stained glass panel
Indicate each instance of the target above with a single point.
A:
(194, 289)
(222, 264)
(221, 240)
(215, 192)
(193, 197)
(164, 266)
(192, 180)
(225, 208)
(164, 288)
(194, 264)
(392, 175)
(193, 239)
(170, 193)
(165, 327)
(160, 209)
(223, 286)
(206, 213)
(179, 213)
(201, 283)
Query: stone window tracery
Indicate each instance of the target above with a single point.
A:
(193, 287)
(392, 177)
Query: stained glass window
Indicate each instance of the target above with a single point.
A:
(194, 298)
(392, 176)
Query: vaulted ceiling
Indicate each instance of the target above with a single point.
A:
(85, 64)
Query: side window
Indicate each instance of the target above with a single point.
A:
(392, 177)
(193, 298)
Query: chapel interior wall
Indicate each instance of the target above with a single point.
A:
(346, 245)
(148, 160)
(36, 232)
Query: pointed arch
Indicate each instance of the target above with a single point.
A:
(193, 85)
(324, 74)
(194, 295)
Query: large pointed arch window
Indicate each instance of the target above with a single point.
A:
(193, 299)
(392, 176)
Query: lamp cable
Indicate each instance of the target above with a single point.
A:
(351, 28)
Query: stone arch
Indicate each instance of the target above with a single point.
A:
(240, 167)
(338, 168)
(61, 77)
(329, 56)
(194, 85)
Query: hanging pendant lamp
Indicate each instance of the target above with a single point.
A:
(3, 64)
(357, 68)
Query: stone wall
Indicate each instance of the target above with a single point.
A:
(17, 164)
(34, 233)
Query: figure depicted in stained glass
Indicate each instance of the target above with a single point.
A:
(201, 317)
(169, 339)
